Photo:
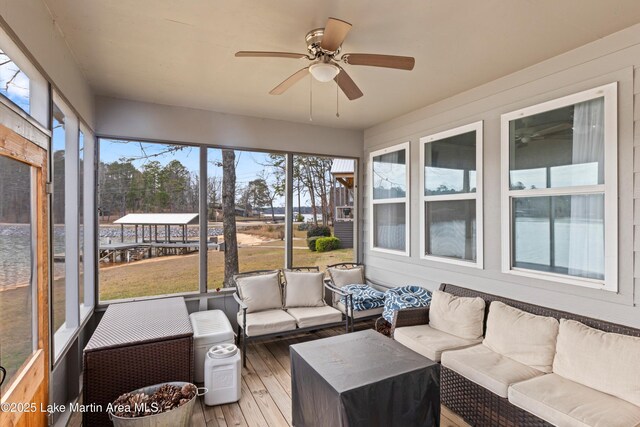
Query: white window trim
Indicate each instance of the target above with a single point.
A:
(71, 324)
(476, 127)
(89, 257)
(406, 200)
(610, 188)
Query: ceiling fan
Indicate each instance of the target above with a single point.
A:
(324, 45)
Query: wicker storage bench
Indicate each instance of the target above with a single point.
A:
(136, 344)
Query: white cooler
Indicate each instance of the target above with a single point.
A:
(222, 375)
(209, 328)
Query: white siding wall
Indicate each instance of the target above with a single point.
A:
(613, 58)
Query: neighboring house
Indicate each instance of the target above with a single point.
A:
(343, 172)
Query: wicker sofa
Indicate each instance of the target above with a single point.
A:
(275, 303)
(468, 394)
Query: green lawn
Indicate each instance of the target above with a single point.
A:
(15, 330)
(175, 274)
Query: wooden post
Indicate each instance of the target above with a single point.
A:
(121, 233)
(136, 233)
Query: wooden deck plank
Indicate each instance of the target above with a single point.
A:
(280, 397)
(275, 367)
(233, 415)
(265, 402)
(252, 413)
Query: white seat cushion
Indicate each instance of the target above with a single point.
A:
(360, 314)
(313, 316)
(522, 336)
(459, 316)
(303, 289)
(487, 368)
(604, 361)
(268, 322)
(260, 291)
(430, 342)
(563, 402)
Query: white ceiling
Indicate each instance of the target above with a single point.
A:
(182, 52)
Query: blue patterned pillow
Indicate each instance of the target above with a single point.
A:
(409, 296)
(364, 297)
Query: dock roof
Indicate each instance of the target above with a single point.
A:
(158, 219)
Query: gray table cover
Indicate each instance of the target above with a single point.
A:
(363, 379)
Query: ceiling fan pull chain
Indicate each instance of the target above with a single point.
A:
(310, 97)
(337, 103)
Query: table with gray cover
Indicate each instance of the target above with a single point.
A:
(363, 379)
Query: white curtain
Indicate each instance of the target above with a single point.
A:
(586, 223)
(390, 226)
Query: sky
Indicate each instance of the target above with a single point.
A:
(18, 90)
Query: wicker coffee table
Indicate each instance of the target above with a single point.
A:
(363, 379)
(136, 344)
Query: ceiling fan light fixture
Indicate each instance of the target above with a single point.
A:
(323, 71)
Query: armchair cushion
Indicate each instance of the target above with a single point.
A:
(261, 291)
(410, 296)
(522, 336)
(303, 289)
(313, 316)
(267, 322)
(364, 297)
(430, 342)
(563, 402)
(604, 361)
(346, 276)
(487, 368)
(459, 316)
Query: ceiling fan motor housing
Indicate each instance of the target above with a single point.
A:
(313, 40)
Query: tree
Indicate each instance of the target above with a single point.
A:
(229, 216)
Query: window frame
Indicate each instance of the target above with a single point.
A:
(88, 251)
(406, 146)
(609, 189)
(478, 128)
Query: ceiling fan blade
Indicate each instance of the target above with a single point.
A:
(290, 81)
(373, 60)
(259, 54)
(335, 32)
(347, 85)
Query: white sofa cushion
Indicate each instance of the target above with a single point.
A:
(521, 336)
(604, 361)
(430, 342)
(268, 322)
(487, 368)
(313, 316)
(459, 316)
(347, 276)
(303, 289)
(260, 292)
(361, 313)
(563, 402)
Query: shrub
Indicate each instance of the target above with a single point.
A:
(325, 244)
(304, 226)
(299, 218)
(318, 230)
(311, 242)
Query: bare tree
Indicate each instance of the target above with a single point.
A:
(229, 216)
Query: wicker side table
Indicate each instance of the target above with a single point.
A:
(136, 344)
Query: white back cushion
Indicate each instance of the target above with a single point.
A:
(459, 316)
(604, 361)
(522, 336)
(303, 289)
(347, 276)
(260, 292)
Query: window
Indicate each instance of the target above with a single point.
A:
(148, 219)
(389, 180)
(17, 266)
(560, 189)
(14, 83)
(81, 217)
(86, 220)
(451, 207)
